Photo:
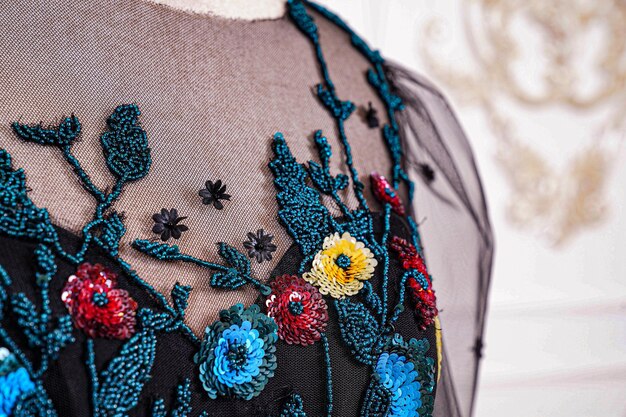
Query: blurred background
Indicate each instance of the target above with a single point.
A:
(540, 88)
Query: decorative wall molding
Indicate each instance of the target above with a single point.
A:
(531, 56)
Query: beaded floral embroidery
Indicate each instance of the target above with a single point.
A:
(340, 268)
(298, 309)
(237, 356)
(96, 305)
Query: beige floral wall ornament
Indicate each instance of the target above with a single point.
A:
(534, 58)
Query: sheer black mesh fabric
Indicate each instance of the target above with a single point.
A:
(455, 230)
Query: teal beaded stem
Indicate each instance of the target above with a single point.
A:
(325, 153)
(93, 376)
(329, 376)
(340, 110)
(239, 264)
(401, 294)
(82, 175)
(415, 236)
(385, 280)
(377, 78)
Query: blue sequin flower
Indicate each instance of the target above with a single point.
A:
(237, 356)
(399, 377)
(14, 382)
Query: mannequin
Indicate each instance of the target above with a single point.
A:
(231, 9)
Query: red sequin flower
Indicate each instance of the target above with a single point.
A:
(420, 284)
(298, 309)
(97, 307)
(385, 193)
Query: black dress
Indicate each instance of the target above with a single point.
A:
(164, 133)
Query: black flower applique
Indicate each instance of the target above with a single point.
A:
(427, 172)
(166, 224)
(213, 193)
(371, 116)
(260, 245)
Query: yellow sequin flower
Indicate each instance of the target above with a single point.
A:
(340, 268)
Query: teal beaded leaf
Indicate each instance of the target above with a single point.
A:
(180, 297)
(392, 101)
(157, 250)
(33, 405)
(19, 217)
(302, 19)
(234, 258)
(25, 313)
(359, 330)
(158, 408)
(229, 280)
(359, 227)
(235, 276)
(320, 174)
(126, 374)
(5, 282)
(326, 183)
(45, 260)
(301, 211)
(61, 136)
(125, 145)
(377, 401)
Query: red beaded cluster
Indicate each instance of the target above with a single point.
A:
(97, 307)
(298, 309)
(424, 299)
(384, 193)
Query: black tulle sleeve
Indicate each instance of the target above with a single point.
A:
(450, 206)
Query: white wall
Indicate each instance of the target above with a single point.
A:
(556, 331)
